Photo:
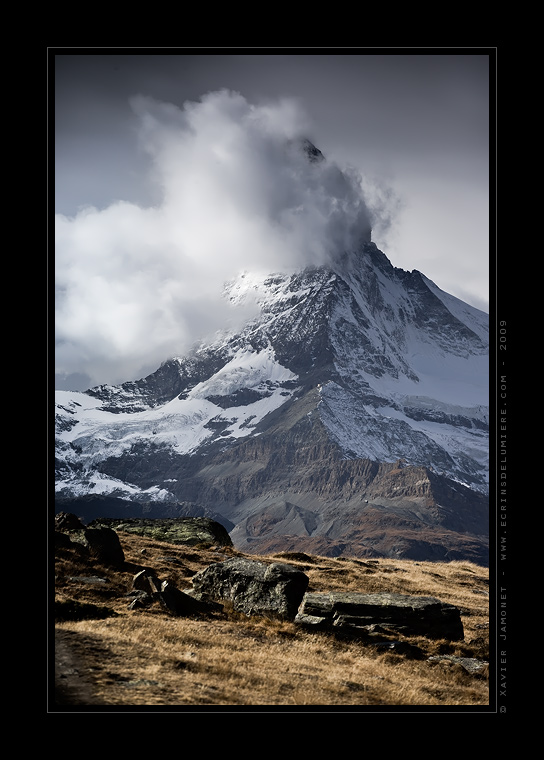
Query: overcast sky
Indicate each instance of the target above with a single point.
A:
(172, 175)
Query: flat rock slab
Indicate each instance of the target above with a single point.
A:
(175, 530)
(410, 615)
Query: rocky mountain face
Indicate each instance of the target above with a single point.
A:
(350, 416)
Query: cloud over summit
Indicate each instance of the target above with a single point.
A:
(237, 191)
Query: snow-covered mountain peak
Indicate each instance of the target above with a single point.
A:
(386, 364)
(351, 392)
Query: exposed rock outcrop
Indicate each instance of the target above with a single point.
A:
(182, 530)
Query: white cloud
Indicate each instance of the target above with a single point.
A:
(137, 285)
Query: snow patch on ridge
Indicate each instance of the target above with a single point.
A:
(87, 434)
(246, 370)
(97, 484)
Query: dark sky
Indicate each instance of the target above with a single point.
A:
(413, 125)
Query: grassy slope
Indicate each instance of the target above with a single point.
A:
(148, 658)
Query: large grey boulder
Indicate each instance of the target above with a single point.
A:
(102, 543)
(253, 587)
(398, 613)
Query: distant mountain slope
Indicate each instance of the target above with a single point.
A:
(351, 368)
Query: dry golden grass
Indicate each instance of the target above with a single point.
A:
(146, 657)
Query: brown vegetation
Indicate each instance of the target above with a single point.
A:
(116, 657)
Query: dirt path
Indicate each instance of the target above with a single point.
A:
(71, 685)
